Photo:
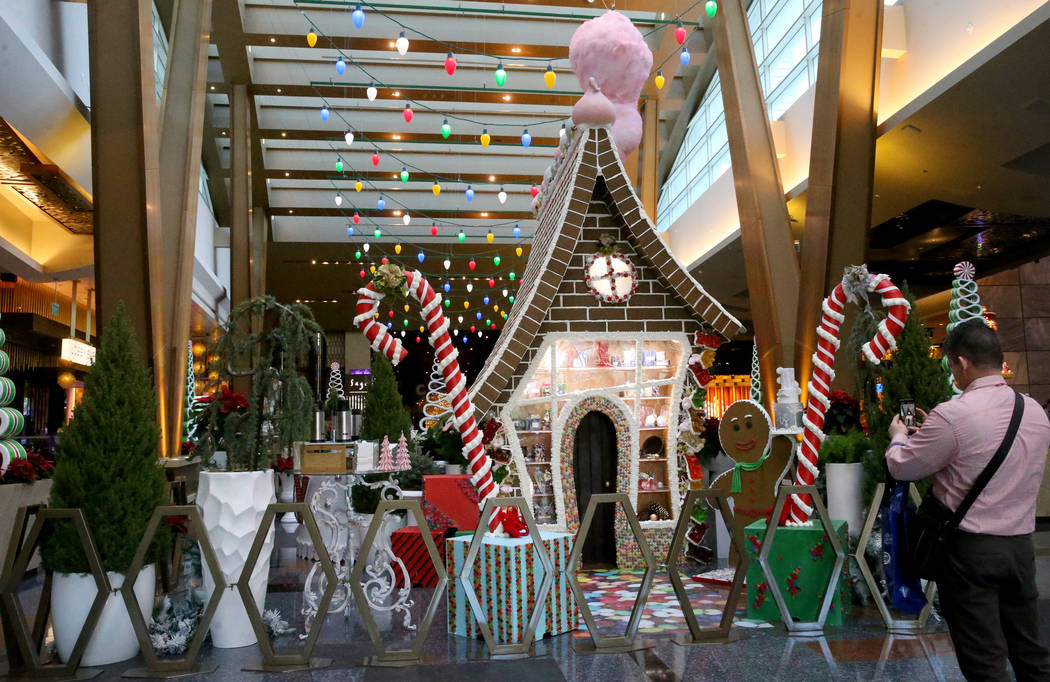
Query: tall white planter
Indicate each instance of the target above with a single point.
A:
(288, 521)
(232, 505)
(114, 639)
(845, 491)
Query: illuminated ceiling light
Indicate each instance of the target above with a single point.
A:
(213, 87)
(500, 75)
(358, 17)
(397, 212)
(446, 129)
(502, 196)
(284, 134)
(492, 178)
(397, 93)
(349, 137)
(484, 215)
(506, 98)
(340, 66)
(549, 77)
(402, 44)
(397, 137)
(371, 92)
(516, 50)
(659, 80)
(272, 39)
(450, 63)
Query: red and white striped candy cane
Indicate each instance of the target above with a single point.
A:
(462, 408)
(856, 282)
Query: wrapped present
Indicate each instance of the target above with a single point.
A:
(506, 584)
(450, 501)
(802, 559)
(408, 545)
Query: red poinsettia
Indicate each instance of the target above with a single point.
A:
(19, 471)
(41, 465)
(228, 400)
(283, 464)
(187, 448)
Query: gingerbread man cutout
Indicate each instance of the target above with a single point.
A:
(761, 461)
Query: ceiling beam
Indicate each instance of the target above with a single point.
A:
(313, 212)
(473, 178)
(399, 138)
(419, 46)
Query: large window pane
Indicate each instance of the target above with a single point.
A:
(787, 14)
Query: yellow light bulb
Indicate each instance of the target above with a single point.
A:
(311, 38)
(495, 308)
(397, 249)
(490, 237)
(466, 304)
(549, 77)
(659, 80)
(357, 186)
(377, 316)
(406, 307)
(421, 330)
(372, 269)
(485, 139)
(518, 251)
(436, 189)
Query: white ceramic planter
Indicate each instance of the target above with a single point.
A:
(232, 506)
(114, 638)
(845, 492)
(288, 522)
(454, 469)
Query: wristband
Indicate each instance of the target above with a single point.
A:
(895, 443)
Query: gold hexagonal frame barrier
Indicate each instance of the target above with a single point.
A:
(628, 641)
(26, 662)
(723, 632)
(894, 625)
(187, 664)
(273, 661)
(813, 628)
(396, 658)
(523, 648)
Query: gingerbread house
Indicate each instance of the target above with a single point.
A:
(590, 369)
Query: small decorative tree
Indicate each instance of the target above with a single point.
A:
(386, 460)
(402, 462)
(384, 414)
(107, 458)
(280, 402)
(335, 388)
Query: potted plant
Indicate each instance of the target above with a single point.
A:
(262, 344)
(25, 482)
(842, 456)
(107, 467)
(442, 443)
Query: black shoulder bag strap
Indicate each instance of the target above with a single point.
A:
(992, 466)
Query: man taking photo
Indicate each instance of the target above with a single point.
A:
(987, 578)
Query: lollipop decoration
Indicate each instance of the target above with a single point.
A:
(389, 279)
(965, 304)
(856, 283)
(756, 375)
(11, 420)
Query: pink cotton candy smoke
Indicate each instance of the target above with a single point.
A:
(612, 51)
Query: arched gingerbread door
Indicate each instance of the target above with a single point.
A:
(594, 462)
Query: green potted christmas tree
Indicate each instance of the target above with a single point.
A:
(107, 467)
(263, 344)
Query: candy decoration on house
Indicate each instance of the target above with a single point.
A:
(437, 404)
(612, 52)
(965, 304)
(756, 375)
(856, 284)
(386, 460)
(11, 420)
(609, 274)
(335, 382)
(392, 279)
(402, 463)
(191, 391)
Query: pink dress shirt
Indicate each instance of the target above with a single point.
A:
(956, 442)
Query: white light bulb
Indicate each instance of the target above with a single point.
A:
(365, 247)
(504, 293)
(447, 263)
(502, 196)
(338, 199)
(402, 44)
(455, 332)
(406, 219)
(470, 287)
(349, 137)
(460, 319)
(371, 92)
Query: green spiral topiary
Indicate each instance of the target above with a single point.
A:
(107, 458)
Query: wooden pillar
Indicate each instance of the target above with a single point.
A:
(258, 238)
(650, 155)
(765, 230)
(841, 162)
(240, 195)
(182, 133)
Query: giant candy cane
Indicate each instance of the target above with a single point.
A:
(856, 283)
(447, 363)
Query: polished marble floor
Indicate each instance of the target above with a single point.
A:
(860, 650)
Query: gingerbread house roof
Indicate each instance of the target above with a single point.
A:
(590, 155)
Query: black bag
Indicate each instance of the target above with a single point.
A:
(934, 521)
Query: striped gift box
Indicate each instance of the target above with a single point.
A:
(506, 580)
(408, 545)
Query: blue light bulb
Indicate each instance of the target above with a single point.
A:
(324, 113)
(389, 325)
(470, 193)
(526, 139)
(447, 287)
(517, 231)
(358, 17)
(349, 230)
(464, 339)
(478, 314)
(486, 300)
(420, 256)
(340, 66)
(381, 204)
(684, 57)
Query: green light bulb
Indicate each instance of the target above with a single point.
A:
(339, 166)
(357, 254)
(711, 7)
(378, 233)
(511, 298)
(496, 260)
(501, 75)
(462, 236)
(447, 303)
(404, 174)
(512, 275)
(406, 322)
(446, 129)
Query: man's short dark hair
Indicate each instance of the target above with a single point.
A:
(975, 341)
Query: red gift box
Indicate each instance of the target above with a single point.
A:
(408, 545)
(450, 501)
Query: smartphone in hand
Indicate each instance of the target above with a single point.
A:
(907, 413)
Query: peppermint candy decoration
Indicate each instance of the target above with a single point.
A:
(611, 278)
(964, 270)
